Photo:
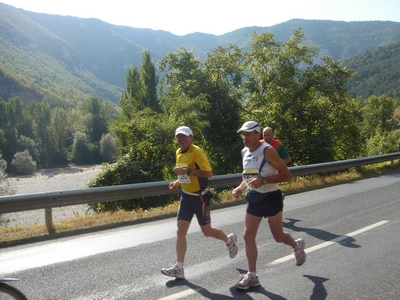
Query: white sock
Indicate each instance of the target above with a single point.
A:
(179, 265)
(228, 241)
(253, 274)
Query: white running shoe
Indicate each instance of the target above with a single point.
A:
(299, 252)
(174, 272)
(247, 281)
(232, 247)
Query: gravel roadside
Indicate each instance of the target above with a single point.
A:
(49, 180)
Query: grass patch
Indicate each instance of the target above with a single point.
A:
(221, 199)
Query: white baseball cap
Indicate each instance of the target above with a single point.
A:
(250, 126)
(184, 130)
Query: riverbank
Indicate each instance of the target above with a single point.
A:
(50, 180)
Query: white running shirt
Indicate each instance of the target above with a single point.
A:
(251, 164)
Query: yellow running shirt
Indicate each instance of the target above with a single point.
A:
(193, 158)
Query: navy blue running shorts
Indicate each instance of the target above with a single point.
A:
(271, 205)
(191, 205)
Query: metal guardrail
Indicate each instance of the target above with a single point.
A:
(26, 202)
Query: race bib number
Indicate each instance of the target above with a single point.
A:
(183, 178)
(247, 174)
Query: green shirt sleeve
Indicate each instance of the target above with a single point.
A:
(282, 151)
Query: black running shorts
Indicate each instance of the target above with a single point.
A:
(268, 207)
(195, 205)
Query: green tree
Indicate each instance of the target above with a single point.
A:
(139, 102)
(8, 142)
(382, 143)
(83, 151)
(94, 120)
(148, 156)
(144, 138)
(148, 138)
(15, 113)
(131, 97)
(26, 143)
(141, 89)
(302, 97)
(13, 122)
(377, 115)
(44, 133)
(63, 131)
(183, 73)
(184, 100)
(223, 88)
(206, 97)
(108, 149)
(149, 80)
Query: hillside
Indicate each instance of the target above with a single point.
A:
(71, 58)
(36, 63)
(342, 40)
(378, 72)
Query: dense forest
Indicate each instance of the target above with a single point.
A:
(50, 134)
(313, 101)
(378, 72)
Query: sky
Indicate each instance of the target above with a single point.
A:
(217, 17)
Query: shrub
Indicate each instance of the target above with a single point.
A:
(23, 164)
(127, 171)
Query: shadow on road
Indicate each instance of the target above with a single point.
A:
(319, 291)
(319, 233)
(247, 294)
(198, 289)
(236, 294)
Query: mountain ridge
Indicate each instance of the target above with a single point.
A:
(69, 57)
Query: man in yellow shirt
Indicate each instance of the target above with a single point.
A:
(193, 170)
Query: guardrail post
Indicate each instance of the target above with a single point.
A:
(48, 215)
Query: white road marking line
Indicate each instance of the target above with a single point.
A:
(326, 244)
(180, 295)
(189, 292)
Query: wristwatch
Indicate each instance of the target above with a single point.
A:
(265, 181)
(188, 171)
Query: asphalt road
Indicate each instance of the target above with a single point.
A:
(352, 240)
